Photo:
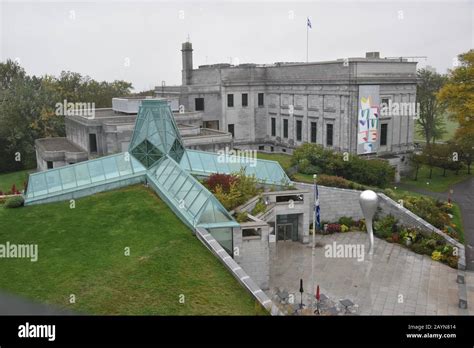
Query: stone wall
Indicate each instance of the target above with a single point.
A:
(253, 253)
(334, 202)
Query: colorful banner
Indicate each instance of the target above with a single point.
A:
(368, 119)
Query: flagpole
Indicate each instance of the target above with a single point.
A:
(314, 242)
(307, 31)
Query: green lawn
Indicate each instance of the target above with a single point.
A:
(17, 178)
(81, 252)
(437, 183)
(283, 159)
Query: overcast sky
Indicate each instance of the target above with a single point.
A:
(140, 41)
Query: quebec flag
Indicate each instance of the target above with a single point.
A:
(316, 206)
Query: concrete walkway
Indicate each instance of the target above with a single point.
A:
(396, 281)
(463, 194)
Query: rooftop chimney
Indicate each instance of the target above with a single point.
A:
(187, 53)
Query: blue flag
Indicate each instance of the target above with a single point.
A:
(316, 206)
(308, 23)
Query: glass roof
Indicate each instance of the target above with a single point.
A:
(207, 163)
(155, 133)
(82, 175)
(188, 197)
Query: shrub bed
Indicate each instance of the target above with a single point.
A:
(389, 229)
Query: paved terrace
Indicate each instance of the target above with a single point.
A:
(428, 287)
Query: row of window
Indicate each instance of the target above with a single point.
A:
(245, 100)
(299, 131)
(313, 131)
(199, 102)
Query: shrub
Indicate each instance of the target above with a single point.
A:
(421, 248)
(332, 228)
(436, 255)
(340, 182)
(430, 243)
(260, 207)
(312, 158)
(344, 228)
(241, 189)
(14, 202)
(241, 217)
(222, 180)
(345, 220)
(452, 261)
(384, 227)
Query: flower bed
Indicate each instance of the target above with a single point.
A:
(389, 229)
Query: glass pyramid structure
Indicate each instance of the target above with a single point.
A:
(156, 156)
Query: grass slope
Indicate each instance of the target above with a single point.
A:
(17, 178)
(81, 252)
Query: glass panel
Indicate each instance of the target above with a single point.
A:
(53, 181)
(39, 184)
(193, 192)
(171, 176)
(110, 167)
(166, 173)
(67, 177)
(177, 184)
(82, 174)
(183, 191)
(224, 237)
(96, 171)
(198, 202)
(123, 166)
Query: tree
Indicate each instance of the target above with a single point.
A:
(457, 95)
(417, 160)
(464, 146)
(431, 110)
(27, 108)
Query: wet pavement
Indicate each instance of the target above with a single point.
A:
(396, 281)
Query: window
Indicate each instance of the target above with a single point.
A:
(273, 126)
(211, 124)
(299, 127)
(92, 143)
(261, 148)
(245, 99)
(385, 101)
(199, 104)
(313, 131)
(329, 134)
(272, 148)
(230, 129)
(261, 101)
(49, 164)
(230, 100)
(285, 128)
(383, 134)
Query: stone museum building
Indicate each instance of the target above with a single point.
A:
(276, 107)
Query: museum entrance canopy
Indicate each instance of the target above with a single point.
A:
(156, 156)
